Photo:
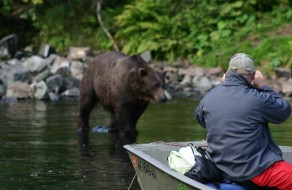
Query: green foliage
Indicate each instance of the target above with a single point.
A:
(191, 29)
(5, 6)
(59, 23)
(144, 26)
(271, 55)
(73, 23)
(205, 32)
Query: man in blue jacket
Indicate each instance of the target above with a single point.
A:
(236, 116)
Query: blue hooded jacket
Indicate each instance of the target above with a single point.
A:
(236, 116)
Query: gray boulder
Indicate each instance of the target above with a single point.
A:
(2, 90)
(8, 46)
(71, 93)
(19, 90)
(53, 96)
(55, 83)
(35, 64)
(77, 69)
(46, 50)
(71, 82)
(79, 53)
(286, 87)
(64, 72)
(42, 75)
(14, 61)
(11, 73)
(146, 56)
(58, 63)
(282, 72)
(203, 85)
(40, 90)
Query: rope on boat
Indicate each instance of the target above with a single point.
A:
(132, 182)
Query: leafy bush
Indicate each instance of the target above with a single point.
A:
(205, 32)
(192, 29)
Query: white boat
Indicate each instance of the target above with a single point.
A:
(151, 166)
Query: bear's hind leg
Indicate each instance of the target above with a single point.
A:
(86, 104)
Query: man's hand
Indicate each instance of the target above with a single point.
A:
(258, 80)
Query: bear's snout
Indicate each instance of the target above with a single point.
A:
(160, 96)
(162, 99)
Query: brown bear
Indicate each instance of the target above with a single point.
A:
(123, 86)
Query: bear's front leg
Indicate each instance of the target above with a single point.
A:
(123, 123)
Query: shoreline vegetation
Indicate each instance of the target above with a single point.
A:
(202, 33)
(192, 40)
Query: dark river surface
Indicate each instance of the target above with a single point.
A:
(40, 148)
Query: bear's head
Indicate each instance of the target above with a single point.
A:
(147, 82)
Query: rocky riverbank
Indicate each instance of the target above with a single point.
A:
(49, 76)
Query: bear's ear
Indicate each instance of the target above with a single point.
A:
(134, 57)
(137, 58)
(142, 72)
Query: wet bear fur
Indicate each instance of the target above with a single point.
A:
(123, 86)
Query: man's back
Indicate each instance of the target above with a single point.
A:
(235, 115)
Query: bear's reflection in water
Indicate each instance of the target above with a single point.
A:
(103, 155)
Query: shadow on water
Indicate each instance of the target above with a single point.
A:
(41, 149)
(116, 144)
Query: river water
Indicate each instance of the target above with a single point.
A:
(40, 148)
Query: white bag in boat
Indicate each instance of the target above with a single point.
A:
(183, 160)
(189, 153)
(177, 163)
